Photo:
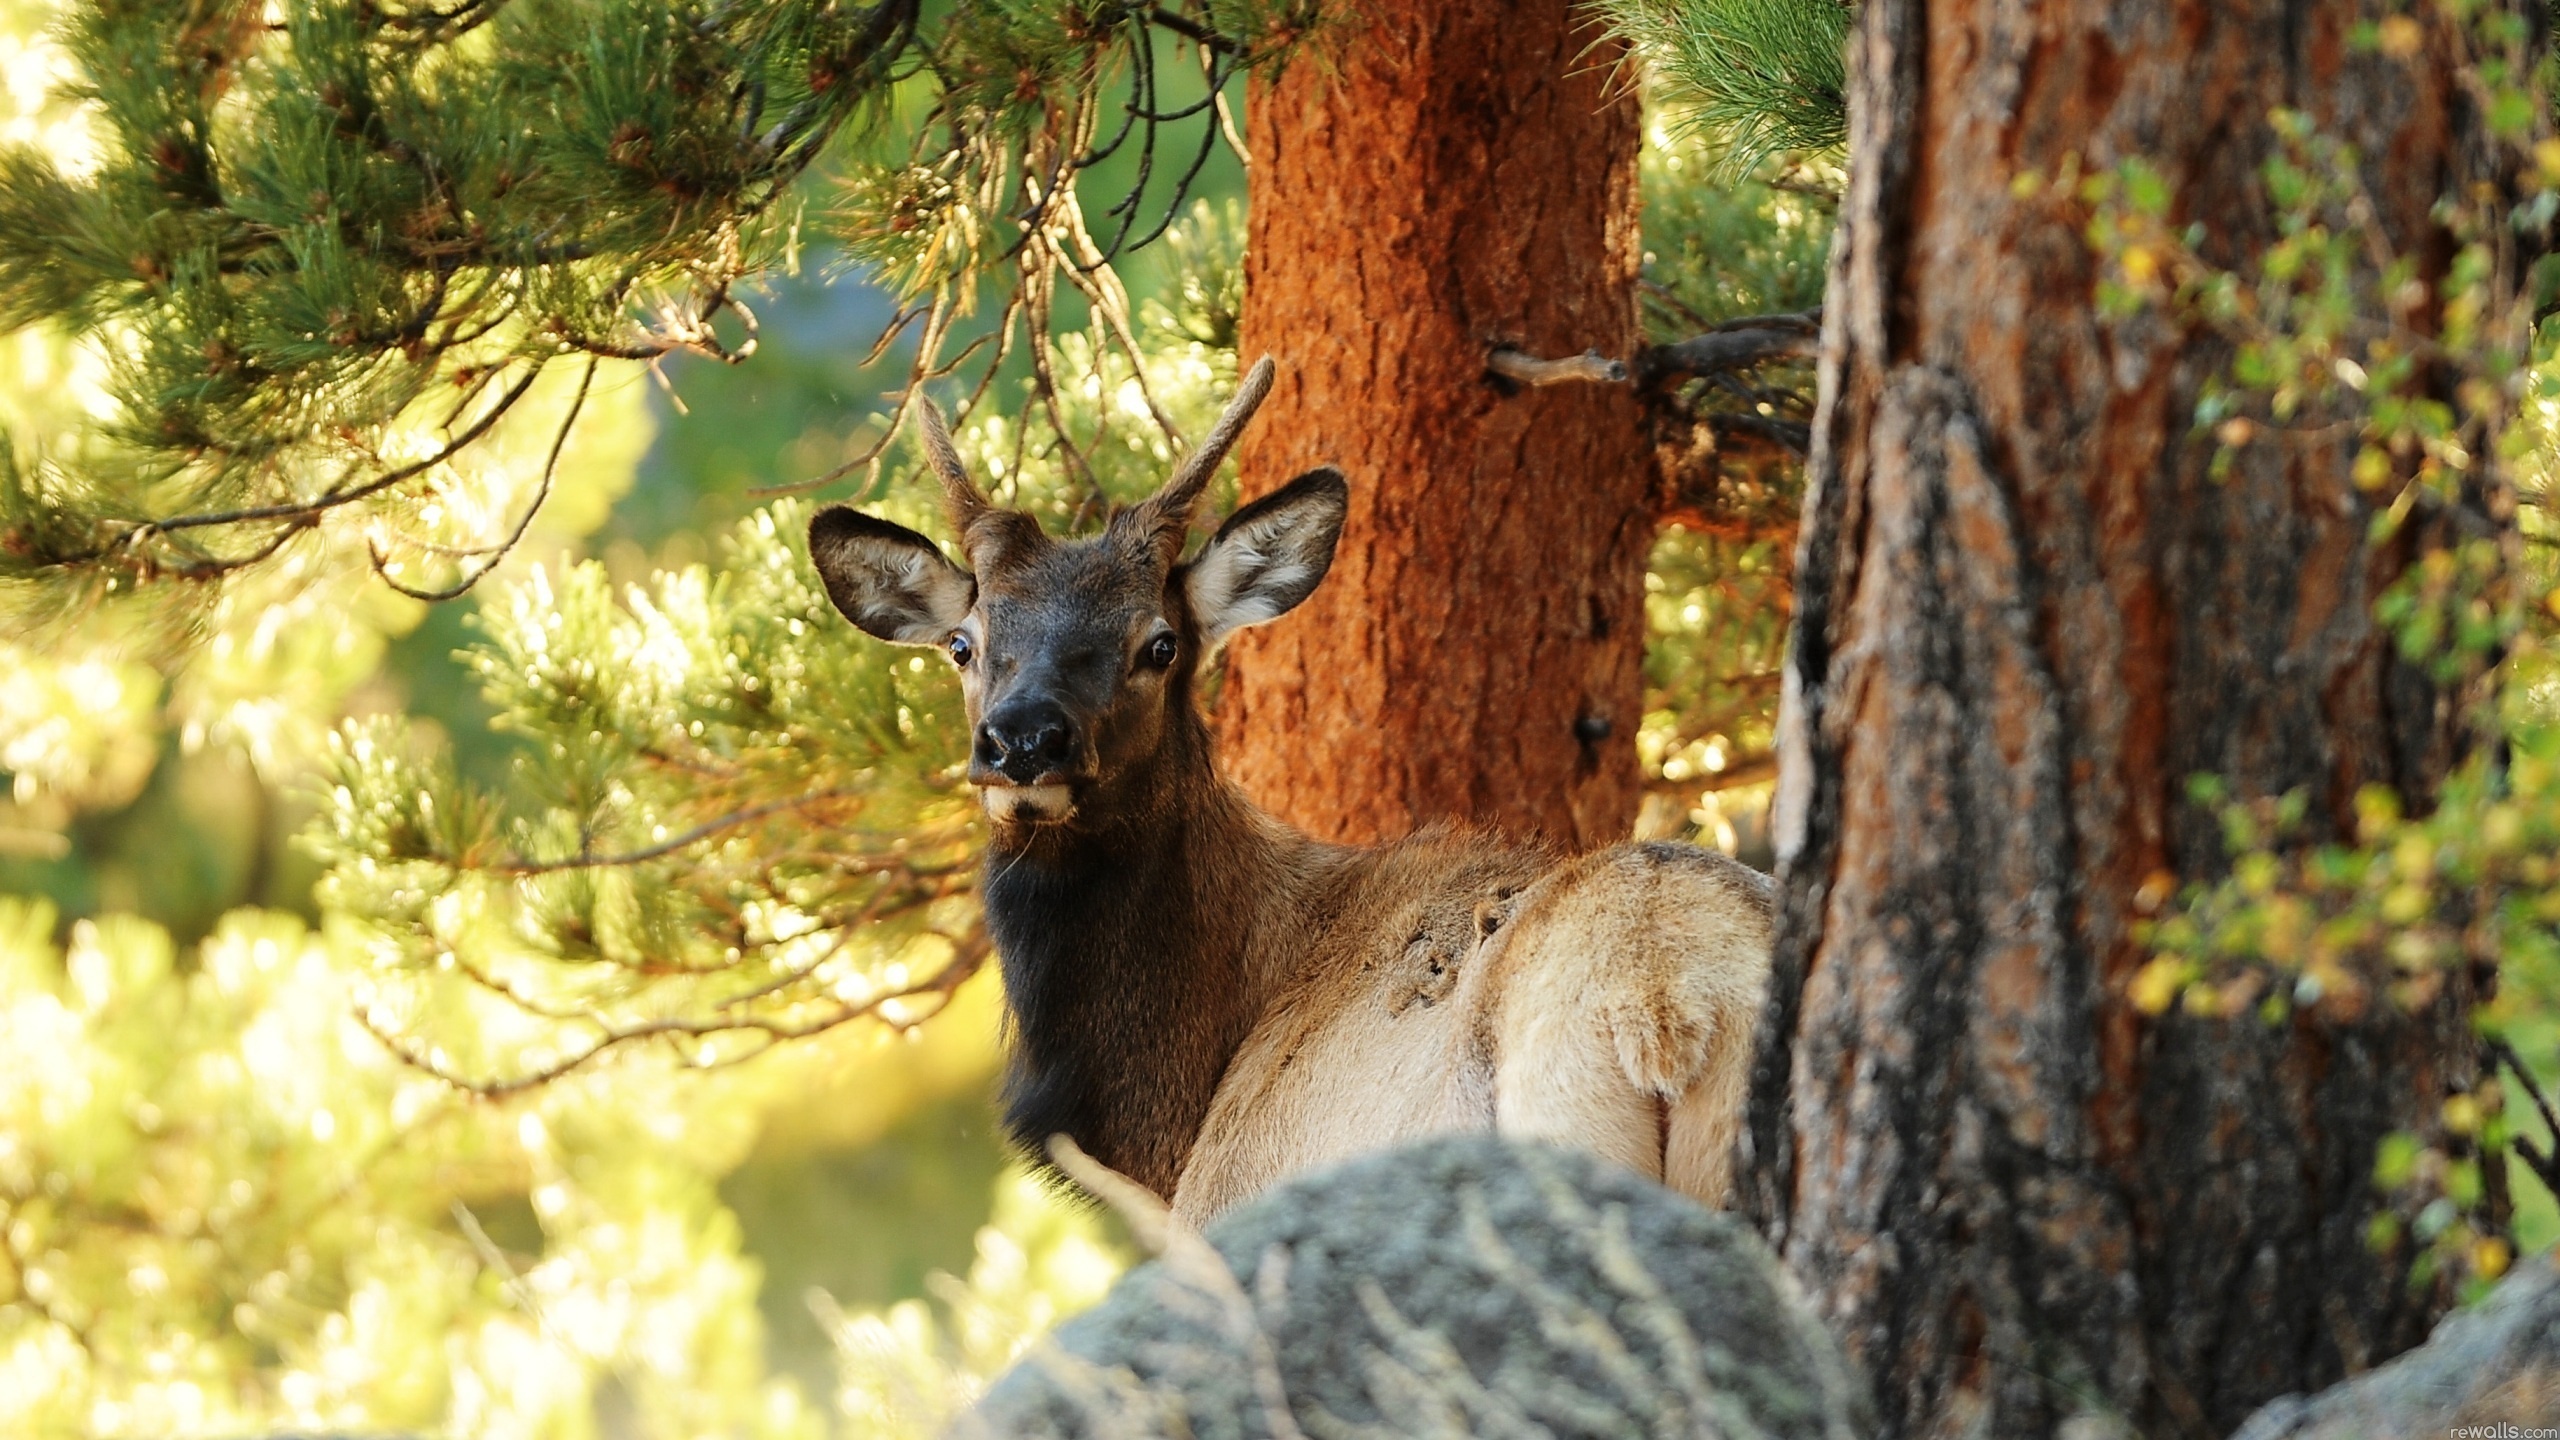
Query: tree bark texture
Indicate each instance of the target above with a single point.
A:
(2026, 615)
(1459, 176)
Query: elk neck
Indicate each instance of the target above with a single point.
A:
(1129, 942)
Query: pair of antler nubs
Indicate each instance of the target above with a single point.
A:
(1166, 515)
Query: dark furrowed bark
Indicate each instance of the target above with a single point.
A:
(2026, 615)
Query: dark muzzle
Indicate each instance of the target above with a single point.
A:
(1023, 742)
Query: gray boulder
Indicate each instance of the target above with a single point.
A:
(2494, 1365)
(1467, 1286)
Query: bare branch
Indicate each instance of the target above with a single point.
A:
(2545, 1166)
(335, 498)
(1735, 347)
(698, 833)
(1589, 367)
(1792, 434)
(1749, 770)
(1101, 287)
(969, 953)
(1193, 31)
(1227, 124)
(292, 517)
(498, 552)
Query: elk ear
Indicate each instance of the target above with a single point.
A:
(888, 579)
(1268, 556)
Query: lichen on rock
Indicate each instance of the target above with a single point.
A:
(1463, 1286)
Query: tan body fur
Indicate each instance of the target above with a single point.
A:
(1457, 982)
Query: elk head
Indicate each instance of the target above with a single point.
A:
(1076, 656)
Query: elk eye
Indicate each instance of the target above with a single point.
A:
(1160, 652)
(961, 650)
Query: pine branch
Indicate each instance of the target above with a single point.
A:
(357, 238)
(126, 540)
(968, 956)
(1764, 76)
(393, 213)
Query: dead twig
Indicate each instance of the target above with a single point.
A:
(2543, 1163)
(1725, 350)
(1521, 368)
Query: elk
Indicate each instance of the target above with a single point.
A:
(1209, 1001)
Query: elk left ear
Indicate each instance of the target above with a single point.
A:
(888, 579)
(1268, 556)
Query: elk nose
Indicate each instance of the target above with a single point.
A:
(1024, 743)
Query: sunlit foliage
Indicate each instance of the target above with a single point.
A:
(908, 1369)
(732, 823)
(329, 249)
(2423, 395)
(1718, 590)
(228, 1208)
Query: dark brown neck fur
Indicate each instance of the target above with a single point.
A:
(1126, 938)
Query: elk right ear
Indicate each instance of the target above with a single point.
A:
(1268, 556)
(888, 579)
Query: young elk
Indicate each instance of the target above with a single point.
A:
(1209, 1001)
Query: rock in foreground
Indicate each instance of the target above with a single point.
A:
(1459, 1287)
(2492, 1366)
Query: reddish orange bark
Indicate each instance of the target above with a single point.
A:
(1462, 177)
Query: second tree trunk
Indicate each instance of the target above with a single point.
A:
(2027, 614)
(1463, 177)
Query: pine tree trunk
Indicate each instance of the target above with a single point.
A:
(1462, 178)
(2025, 617)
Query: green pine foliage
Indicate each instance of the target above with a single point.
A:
(730, 822)
(322, 239)
(1724, 241)
(724, 813)
(327, 252)
(1766, 77)
(905, 1372)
